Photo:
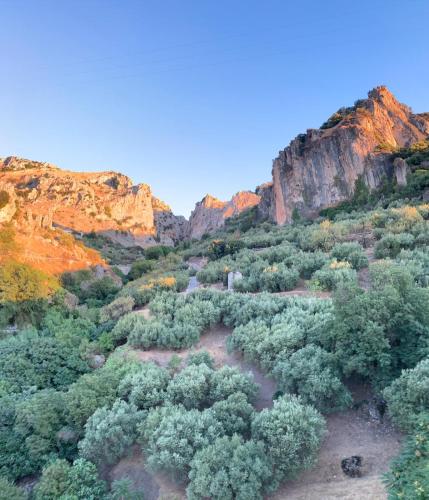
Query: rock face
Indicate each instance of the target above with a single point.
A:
(105, 202)
(319, 168)
(210, 213)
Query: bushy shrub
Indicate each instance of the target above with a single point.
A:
(109, 432)
(176, 436)
(391, 244)
(147, 387)
(408, 396)
(140, 267)
(266, 341)
(291, 433)
(41, 362)
(62, 480)
(95, 390)
(229, 380)
(20, 283)
(229, 468)
(4, 198)
(408, 477)
(8, 491)
(309, 262)
(163, 334)
(126, 325)
(379, 332)
(330, 277)
(234, 413)
(219, 248)
(38, 419)
(191, 387)
(352, 253)
(156, 252)
(312, 374)
(99, 292)
(116, 309)
(199, 358)
(278, 278)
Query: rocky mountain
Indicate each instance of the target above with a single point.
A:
(210, 213)
(103, 202)
(45, 210)
(320, 168)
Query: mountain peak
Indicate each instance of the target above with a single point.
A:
(320, 168)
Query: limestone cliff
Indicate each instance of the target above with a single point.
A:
(319, 168)
(210, 213)
(105, 202)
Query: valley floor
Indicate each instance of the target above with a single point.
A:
(353, 432)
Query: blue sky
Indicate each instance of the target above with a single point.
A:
(195, 96)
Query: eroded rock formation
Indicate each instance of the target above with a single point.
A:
(319, 168)
(105, 202)
(210, 213)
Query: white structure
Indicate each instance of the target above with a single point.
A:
(233, 276)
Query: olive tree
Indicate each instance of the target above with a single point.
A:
(291, 432)
(230, 469)
(109, 432)
(408, 396)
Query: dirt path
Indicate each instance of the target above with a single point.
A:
(352, 432)
(214, 342)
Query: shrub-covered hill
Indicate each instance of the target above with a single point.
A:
(74, 400)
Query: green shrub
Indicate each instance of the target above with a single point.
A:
(199, 358)
(62, 480)
(147, 387)
(229, 380)
(408, 477)
(312, 374)
(20, 282)
(8, 491)
(156, 252)
(139, 268)
(391, 244)
(40, 362)
(173, 435)
(234, 413)
(95, 390)
(408, 396)
(291, 433)
(352, 253)
(126, 325)
(229, 468)
(191, 387)
(38, 420)
(109, 432)
(116, 309)
(310, 262)
(330, 277)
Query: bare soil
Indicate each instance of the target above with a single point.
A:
(351, 432)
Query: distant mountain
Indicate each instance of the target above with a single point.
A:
(47, 208)
(319, 169)
(210, 213)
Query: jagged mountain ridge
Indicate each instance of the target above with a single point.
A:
(210, 213)
(319, 168)
(104, 202)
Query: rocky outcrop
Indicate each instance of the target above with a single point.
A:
(320, 168)
(210, 213)
(105, 202)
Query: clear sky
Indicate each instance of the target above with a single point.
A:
(195, 96)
